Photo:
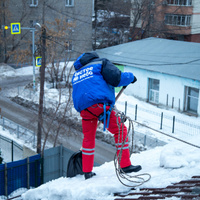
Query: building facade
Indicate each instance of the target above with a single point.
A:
(167, 71)
(68, 24)
(171, 19)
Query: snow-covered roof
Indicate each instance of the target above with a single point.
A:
(172, 57)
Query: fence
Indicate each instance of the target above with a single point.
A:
(142, 140)
(24, 173)
(30, 137)
(163, 121)
(35, 170)
(166, 122)
(20, 131)
(10, 147)
(160, 121)
(55, 162)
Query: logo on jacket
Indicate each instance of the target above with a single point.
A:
(82, 75)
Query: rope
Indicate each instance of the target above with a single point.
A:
(123, 177)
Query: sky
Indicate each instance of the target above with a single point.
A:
(165, 165)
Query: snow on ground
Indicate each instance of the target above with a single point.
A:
(166, 165)
(169, 164)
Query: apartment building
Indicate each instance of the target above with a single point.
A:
(171, 19)
(68, 24)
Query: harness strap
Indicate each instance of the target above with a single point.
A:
(91, 113)
(105, 115)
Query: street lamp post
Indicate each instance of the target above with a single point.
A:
(33, 57)
(33, 46)
(33, 53)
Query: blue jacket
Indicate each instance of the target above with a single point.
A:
(95, 79)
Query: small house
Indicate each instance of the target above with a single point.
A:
(167, 71)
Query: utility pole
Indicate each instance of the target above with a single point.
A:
(42, 77)
(41, 100)
(95, 24)
(4, 34)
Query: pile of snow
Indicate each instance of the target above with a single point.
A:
(166, 165)
(6, 70)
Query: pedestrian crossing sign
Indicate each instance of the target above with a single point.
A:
(15, 28)
(38, 61)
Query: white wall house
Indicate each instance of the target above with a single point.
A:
(168, 71)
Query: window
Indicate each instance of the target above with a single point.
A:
(69, 46)
(70, 24)
(180, 2)
(191, 99)
(69, 3)
(33, 3)
(154, 85)
(177, 20)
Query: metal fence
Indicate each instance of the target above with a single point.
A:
(30, 137)
(24, 173)
(142, 141)
(158, 120)
(55, 162)
(18, 130)
(10, 149)
(163, 121)
(35, 170)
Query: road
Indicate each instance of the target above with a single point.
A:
(28, 118)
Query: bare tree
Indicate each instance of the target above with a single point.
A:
(57, 48)
(112, 21)
(19, 45)
(56, 120)
(148, 19)
(54, 48)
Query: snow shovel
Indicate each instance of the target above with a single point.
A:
(74, 166)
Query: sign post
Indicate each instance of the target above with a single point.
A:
(16, 29)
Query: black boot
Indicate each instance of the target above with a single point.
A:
(131, 168)
(89, 175)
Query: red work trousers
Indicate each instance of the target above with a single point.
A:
(89, 125)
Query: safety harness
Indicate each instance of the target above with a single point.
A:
(104, 116)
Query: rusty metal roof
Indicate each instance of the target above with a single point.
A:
(185, 190)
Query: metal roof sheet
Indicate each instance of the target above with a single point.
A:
(186, 189)
(172, 57)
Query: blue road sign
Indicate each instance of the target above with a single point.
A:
(15, 28)
(38, 61)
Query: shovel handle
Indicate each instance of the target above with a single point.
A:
(120, 92)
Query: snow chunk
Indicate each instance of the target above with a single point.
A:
(176, 155)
